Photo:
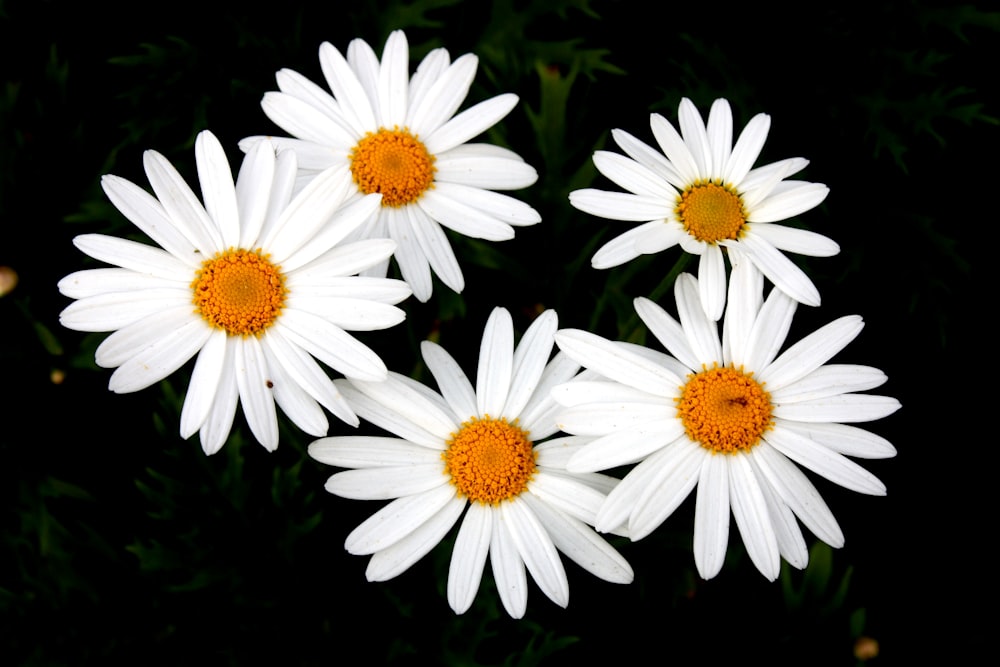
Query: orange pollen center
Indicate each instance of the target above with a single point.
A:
(394, 163)
(724, 409)
(711, 212)
(490, 460)
(240, 291)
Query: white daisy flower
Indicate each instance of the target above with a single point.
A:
(475, 449)
(704, 196)
(255, 282)
(400, 137)
(730, 416)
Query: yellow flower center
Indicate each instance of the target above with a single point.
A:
(724, 409)
(489, 460)
(394, 163)
(240, 291)
(711, 212)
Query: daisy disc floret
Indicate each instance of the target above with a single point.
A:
(731, 416)
(402, 137)
(478, 451)
(699, 191)
(254, 282)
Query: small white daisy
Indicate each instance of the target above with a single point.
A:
(400, 137)
(255, 282)
(704, 196)
(731, 417)
(475, 449)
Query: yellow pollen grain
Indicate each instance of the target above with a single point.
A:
(724, 409)
(711, 212)
(490, 460)
(239, 291)
(394, 163)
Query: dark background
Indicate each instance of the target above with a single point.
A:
(122, 544)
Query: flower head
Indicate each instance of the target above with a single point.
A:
(730, 416)
(702, 193)
(399, 136)
(255, 282)
(477, 451)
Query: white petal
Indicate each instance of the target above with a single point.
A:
(673, 146)
(351, 314)
(181, 204)
(621, 205)
(215, 429)
(468, 558)
(799, 241)
(812, 351)
(410, 257)
(451, 380)
(218, 190)
(668, 331)
(712, 282)
(536, 549)
(701, 330)
(388, 418)
(747, 149)
(780, 270)
(396, 559)
(662, 482)
(483, 171)
(752, 517)
(253, 192)
(503, 207)
(581, 544)
(433, 242)
(386, 482)
(445, 94)
(292, 398)
(365, 451)
(393, 81)
(825, 462)
(842, 408)
(396, 394)
(625, 446)
(160, 358)
(538, 414)
(625, 247)
(711, 516)
(847, 440)
(789, 203)
(829, 380)
(256, 398)
(566, 492)
(137, 257)
(632, 176)
(115, 310)
(205, 380)
(768, 334)
(464, 219)
(720, 135)
(348, 91)
(397, 520)
(470, 123)
(616, 362)
(496, 361)
(508, 568)
(331, 345)
(302, 119)
(146, 213)
(530, 357)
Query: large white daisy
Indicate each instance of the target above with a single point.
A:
(400, 137)
(475, 450)
(702, 194)
(732, 417)
(255, 282)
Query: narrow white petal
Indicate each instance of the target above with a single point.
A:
(626, 446)
(337, 227)
(394, 393)
(468, 558)
(181, 204)
(695, 136)
(137, 257)
(712, 282)
(799, 241)
(829, 380)
(397, 520)
(503, 207)
(496, 362)
(699, 326)
(351, 314)
(146, 213)
(711, 516)
(252, 378)
(428, 72)
(812, 351)
(752, 517)
(780, 270)
(389, 419)
(93, 282)
(218, 190)
(624, 247)
(648, 157)
(291, 82)
(667, 479)
(604, 418)
(617, 363)
(253, 192)
(396, 559)
(348, 91)
(720, 134)
(621, 205)
(580, 543)
(469, 124)
(842, 408)
(387, 482)
(768, 333)
(566, 492)
(791, 544)
(673, 146)
(668, 331)
(388, 291)
(369, 451)
(845, 439)
(530, 357)
(292, 398)
(464, 219)
(342, 261)
(747, 148)
(161, 358)
(114, 310)
(483, 171)
(632, 176)
(451, 380)
(443, 97)
(132, 339)
(789, 203)
(215, 429)
(797, 492)
(307, 374)
(508, 568)
(824, 461)
(433, 242)
(536, 549)
(302, 119)
(659, 237)
(331, 345)
(538, 414)
(204, 384)
(393, 81)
